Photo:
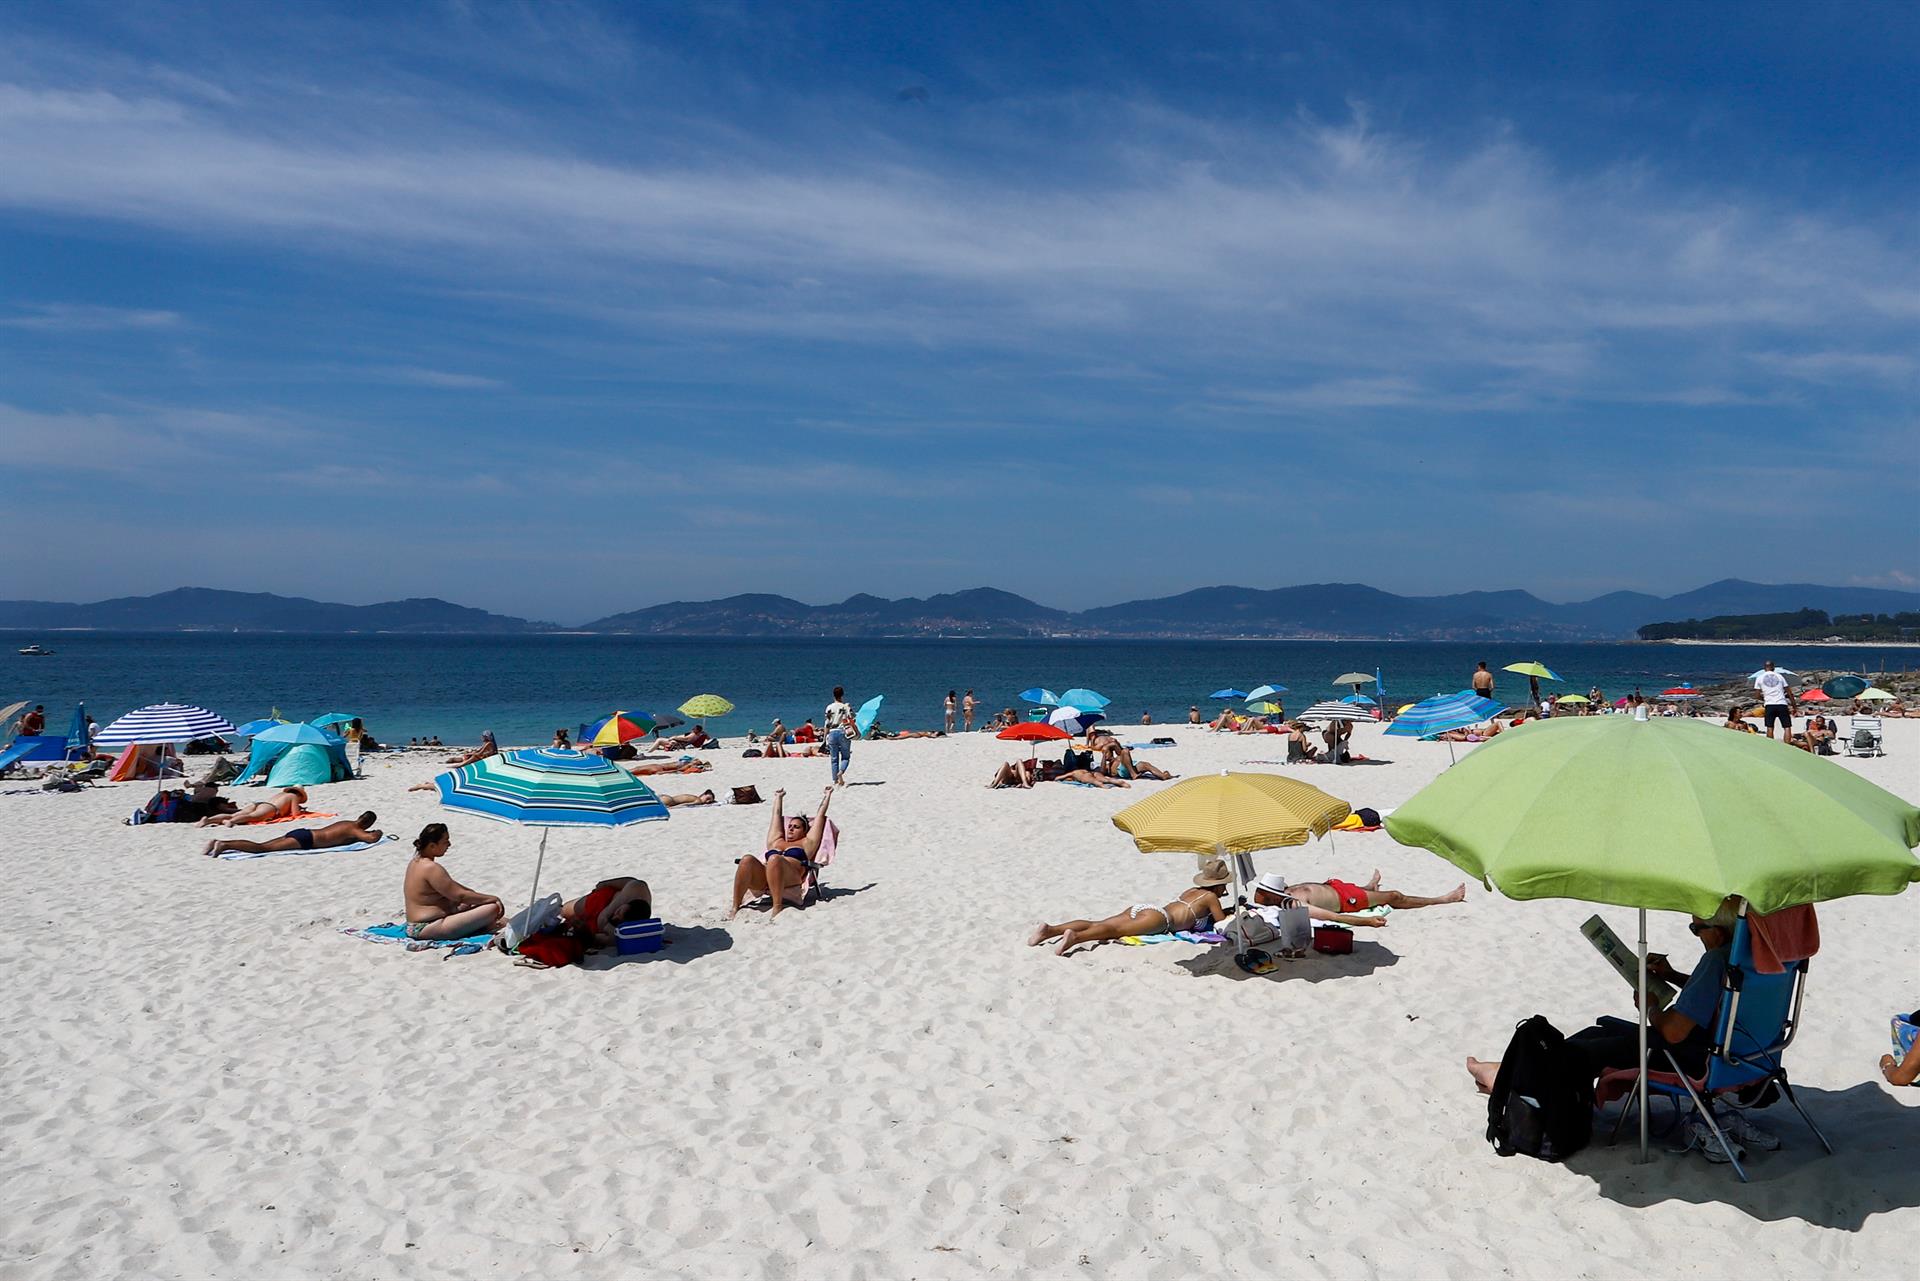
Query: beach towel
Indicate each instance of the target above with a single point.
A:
(1207, 938)
(1779, 938)
(393, 932)
(233, 855)
(290, 818)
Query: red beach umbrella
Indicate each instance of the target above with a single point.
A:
(1815, 696)
(1033, 732)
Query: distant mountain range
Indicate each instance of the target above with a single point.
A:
(1316, 610)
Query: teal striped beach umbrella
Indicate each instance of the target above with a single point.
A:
(545, 788)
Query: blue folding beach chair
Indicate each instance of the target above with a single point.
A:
(1758, 1016)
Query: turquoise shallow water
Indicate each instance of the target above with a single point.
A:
(523, 687)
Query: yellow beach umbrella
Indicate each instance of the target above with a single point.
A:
(1230, 813)
(702, 706)
(1873, 694)
(1266, 709)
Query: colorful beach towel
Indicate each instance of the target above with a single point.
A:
(331, 849)
(393, 932)
(290, 818)
(1208, 938)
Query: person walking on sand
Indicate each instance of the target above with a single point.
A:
(840, 731)
(952, 702)
(967, 706)
(1776, 699)
(1483, 681)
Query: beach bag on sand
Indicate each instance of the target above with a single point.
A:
(542, 914)
(1541, 1104)
(748, 795)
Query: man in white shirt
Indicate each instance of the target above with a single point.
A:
(1776, 698)
(840, 731)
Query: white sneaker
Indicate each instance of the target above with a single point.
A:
(1700, 1135)
(1735, 1125)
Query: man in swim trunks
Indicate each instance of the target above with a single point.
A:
(607, 905)
(1339, 901)
(359, 831)
(439, 907)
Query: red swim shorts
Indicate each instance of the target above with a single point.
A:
(1352, 897)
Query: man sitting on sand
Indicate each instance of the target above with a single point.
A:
(1338, 901)
(288, 804)
(487, 748)
(1197, 909)
(439, 907)
(1013, 774)
(359, 831)
(686, 798)
(609, 904)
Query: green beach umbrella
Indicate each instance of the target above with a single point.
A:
(1667, 815)
(1572, 698)
(1355, 679)
(1540, 670)
(1873, 695)
(702, 706)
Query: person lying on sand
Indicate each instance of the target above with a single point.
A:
(357, 831)
(780, 873)
(1332, 900)
(289, 802)
(487, 748)
(1472, 734)
(439, 907)
(670, 767)
(878, 733)
(1057, 772)
(1116, 759)
(1012, 774)
(686, 798)
(695, 737)
(1196, 909)
(609, 904)
(782, 751)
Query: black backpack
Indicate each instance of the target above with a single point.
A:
(1542, 1100)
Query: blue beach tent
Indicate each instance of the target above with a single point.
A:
(296, 755)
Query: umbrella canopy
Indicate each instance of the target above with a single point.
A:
(1266, 709)
(1033, 732)
(333, 718)
(1677, 693)
(1044, 697)
(1754, 676)
(1667, 815)
(1335, 711)
(1814, 696)
(1230, 814)
(869, 711)
(1874, 695)
(12, 710)
(1230, 695)
(1073, 720)
(546, 788)
(1264, 691)
(1353, 678)
(1443, 712)
(252, 728)
(1573, 698)
(163, 723)
(621, 727)
(702, 706)
(1541, 670)
(290, 732)
(659, 722)
(1085, 699)
(1358, 700)
(1844, 686)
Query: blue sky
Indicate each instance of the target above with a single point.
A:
(564, 309)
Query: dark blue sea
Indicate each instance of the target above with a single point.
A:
(522, 688)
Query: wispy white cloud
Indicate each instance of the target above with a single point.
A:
(72, 318)
(446, 379)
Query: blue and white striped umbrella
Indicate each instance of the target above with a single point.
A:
(1443, 712)
(163, 723)
(548, 788)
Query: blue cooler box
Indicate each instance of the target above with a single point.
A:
(634, 937)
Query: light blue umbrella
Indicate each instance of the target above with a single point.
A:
(1085, 699)
(77, 744)
(1044, 697)
(1259, 692)
(1229, 695)
(1443, 712)
(333, 718)
(869, 711)
(547, 789)
(252, 728)
(294, 732)
(1358, 700)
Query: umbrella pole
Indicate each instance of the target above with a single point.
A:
(1643, 1159)
(541, 858)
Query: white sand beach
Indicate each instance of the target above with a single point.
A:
(205, 1078)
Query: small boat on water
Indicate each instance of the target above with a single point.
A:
(36, 651)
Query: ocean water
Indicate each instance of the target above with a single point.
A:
(522, 688)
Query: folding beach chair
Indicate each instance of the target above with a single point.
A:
(1758, 1016)
(1864, 737)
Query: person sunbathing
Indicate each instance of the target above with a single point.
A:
(670, 767)
(359, 831)
(1116, 761)
(1057, 772)
(439, 907)
(1735, 721)
(686, 798)
(608, 905)
(1012, 774)
(1904, 1070)
(288, 804)
(780, 873)
(1197, 909)
(487, 748)
(797, 751)
(878, 733)
(1340, 901)
(1472, 734)
(695, 737)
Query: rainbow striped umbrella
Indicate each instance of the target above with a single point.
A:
(621, 727)
(547, 789)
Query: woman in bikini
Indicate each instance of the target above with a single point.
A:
(1198, 909)
(439, 907)
(781, 872)
(288, 804)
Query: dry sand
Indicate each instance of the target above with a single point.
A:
(205, 1079)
